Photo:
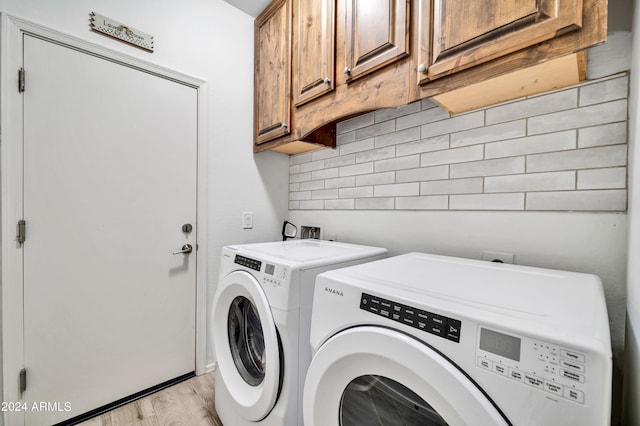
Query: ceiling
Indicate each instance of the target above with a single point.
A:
(252, 7)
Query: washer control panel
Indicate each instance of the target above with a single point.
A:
(429, 322)
(275, 275)
(557, 370)
(248, 262)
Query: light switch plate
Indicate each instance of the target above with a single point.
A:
(247, 220)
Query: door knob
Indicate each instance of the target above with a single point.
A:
(186, 249)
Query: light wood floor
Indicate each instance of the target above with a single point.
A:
(187, 403)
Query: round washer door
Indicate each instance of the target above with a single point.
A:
(375, 376)
(245, 343)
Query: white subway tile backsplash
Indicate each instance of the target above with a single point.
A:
(358, 192)
(552, 181)
(311, 185)
(530, 107)
(580, 117)
(433, 202)
(606, 200)
(450, 156)
(324, 153)
(589, 158)
(302, 195)
(454, 124)
(406, 135)
(452, 186)
(399, 163)
(427, 116)
(324, 194)
(299, 177)
(423, 174)
(358, 169)
(604, 91)
(376, 179)
(300, 158)
(540, 153)
(376, 154)
(532, 145)
(325, 174)
(396, 190)
(311, 166)
(436, 143)
(608, 134)
(342, 182)
(294, 169)
(358, 146)
(500, 166)
(496, 132)
(615, 178)
(376, 130)
(344, 138)
(343, 160)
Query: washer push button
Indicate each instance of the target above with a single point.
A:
(453, 329)
(574, 395)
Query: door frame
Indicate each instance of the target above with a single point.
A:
(12, 30)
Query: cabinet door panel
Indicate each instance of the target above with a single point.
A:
(459, 34)
(313, 49)
(272, 72)
(376, 34)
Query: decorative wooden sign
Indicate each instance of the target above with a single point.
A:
(121, 32)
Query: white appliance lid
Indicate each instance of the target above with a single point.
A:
(306, 251)
(547, 296)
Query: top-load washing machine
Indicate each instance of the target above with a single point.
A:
(260, 325)
(431, 340)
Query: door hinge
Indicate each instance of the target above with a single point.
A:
(21, 80)
(21, 231)
(23, 380)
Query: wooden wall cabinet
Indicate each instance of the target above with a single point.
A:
(460, 34)
(376, 34)
(522, 34)
(272, 100)
(354, 56)
(313, 49)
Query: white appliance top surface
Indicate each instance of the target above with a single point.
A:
(490, 289)
(308, 252)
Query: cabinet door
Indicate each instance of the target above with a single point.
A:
(376, 34)
(314, 50)
(272, 104)
(458, 34)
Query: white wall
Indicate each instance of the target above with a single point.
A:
(631, 404)
(213, 41)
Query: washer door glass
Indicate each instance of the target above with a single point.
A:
(246, 340)
(375, 400)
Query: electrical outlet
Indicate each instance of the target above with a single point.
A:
(247, 220)
(496, 256)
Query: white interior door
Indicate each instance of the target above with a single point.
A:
(109, 180)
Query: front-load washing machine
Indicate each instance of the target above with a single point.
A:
(260, 325)
(431, 340)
